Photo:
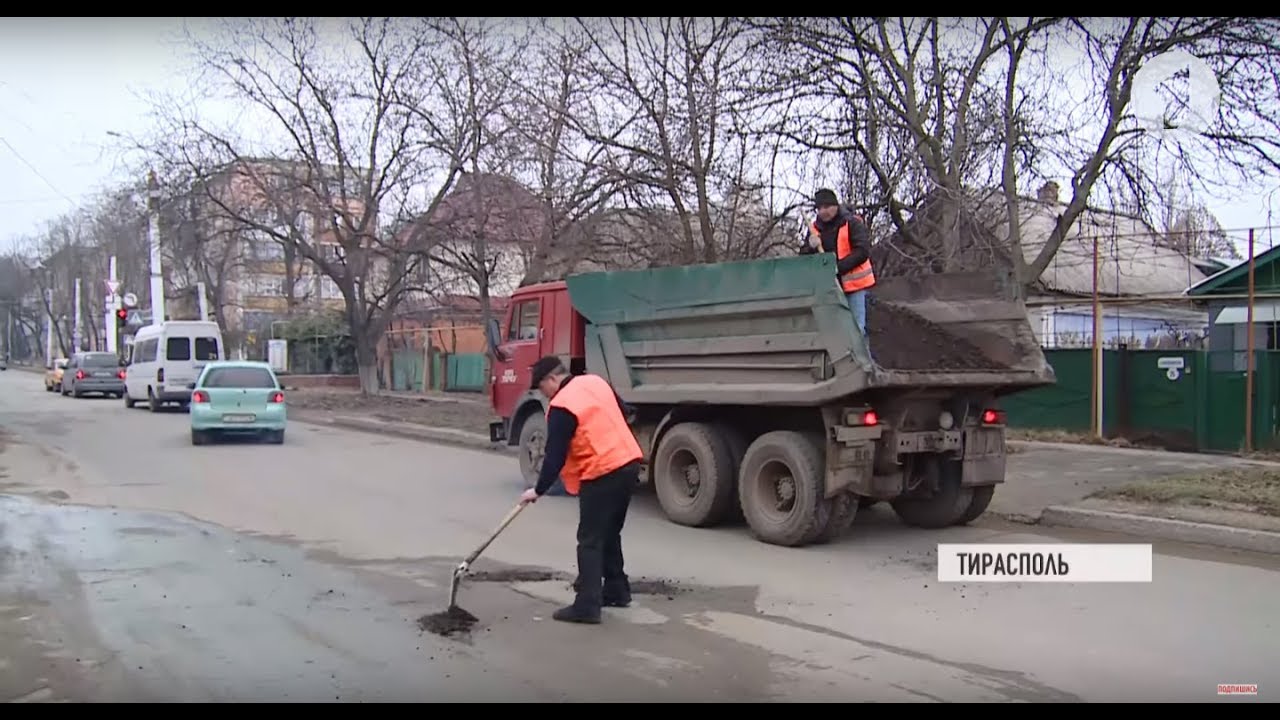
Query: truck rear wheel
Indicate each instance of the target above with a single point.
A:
(945, 505)
(693, 475)
(780, 487)
(981, 499)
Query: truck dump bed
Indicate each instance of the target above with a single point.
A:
(779, 332)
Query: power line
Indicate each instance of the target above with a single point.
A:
(39, 174)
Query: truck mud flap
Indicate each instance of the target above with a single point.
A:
(851, 460)
(497, 432)
(984, 457)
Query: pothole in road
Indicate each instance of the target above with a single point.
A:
(514, 575)
(642, 586)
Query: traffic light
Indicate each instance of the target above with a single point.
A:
(122, 317)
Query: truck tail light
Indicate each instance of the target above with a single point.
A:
(993, 417)
(867, 417)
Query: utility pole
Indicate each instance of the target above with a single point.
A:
(48, 326)
(204, 301)
(153, 240)
(112, 304)
(75, 329)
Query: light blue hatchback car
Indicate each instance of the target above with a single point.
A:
(237, 397)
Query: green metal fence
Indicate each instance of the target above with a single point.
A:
(449, 372)
(1179, 399)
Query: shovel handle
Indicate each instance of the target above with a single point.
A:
(501, 526)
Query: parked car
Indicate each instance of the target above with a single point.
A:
(237, 397)
(93, 372)
(53, 375)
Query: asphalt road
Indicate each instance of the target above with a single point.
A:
(134, 566)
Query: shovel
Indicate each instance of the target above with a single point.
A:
(465, 565)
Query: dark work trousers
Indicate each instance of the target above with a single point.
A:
(602, 511)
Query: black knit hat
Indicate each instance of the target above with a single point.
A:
(544, 367)
(825, 196)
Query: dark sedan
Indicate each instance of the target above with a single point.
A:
(93, 372)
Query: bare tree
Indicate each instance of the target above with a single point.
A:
(672, 104)
(1130, 157)
(360, 119)
(567, 172)
(979, 99)
(488, 219)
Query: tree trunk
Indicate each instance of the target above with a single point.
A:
(367, 363)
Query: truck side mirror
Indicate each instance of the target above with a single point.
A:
(493, 339)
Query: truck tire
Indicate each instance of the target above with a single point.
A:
(843, 509)
(737, 444)
(941, 509)
(533, 442)
(981, 499)
(780, 487)
(693, 475)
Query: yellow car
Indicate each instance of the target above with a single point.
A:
(53, 375)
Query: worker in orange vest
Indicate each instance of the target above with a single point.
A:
(591, 448)
(843, 232)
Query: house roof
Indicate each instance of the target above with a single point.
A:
(1236, 272)
(1133, 260)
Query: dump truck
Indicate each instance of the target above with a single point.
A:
(754, 395)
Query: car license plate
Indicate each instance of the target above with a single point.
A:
(238, 418)
(104, 374)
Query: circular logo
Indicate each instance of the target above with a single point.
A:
(1163, 108)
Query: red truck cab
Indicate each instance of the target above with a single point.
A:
(539, 321)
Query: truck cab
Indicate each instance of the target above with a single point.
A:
(539, 321)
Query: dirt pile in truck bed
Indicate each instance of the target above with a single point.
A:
(902, 340)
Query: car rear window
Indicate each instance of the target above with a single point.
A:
(239, 378)
(100, 360)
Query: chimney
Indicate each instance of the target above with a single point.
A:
(1048, 193)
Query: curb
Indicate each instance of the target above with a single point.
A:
(407, 431)
(1223, 458)
(32, 369)
(1163, 528)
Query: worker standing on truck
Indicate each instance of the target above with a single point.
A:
(591, 447)
(845, 233)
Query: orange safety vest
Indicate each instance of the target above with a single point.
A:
(603, 442)
(859, 278)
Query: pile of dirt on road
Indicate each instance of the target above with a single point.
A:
(464, 413)
(902, 340)
(449, 622)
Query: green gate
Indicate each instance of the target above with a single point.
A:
(467, 372)
(1160, 397)
(406, 370)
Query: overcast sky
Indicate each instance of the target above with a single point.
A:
(66, 83)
